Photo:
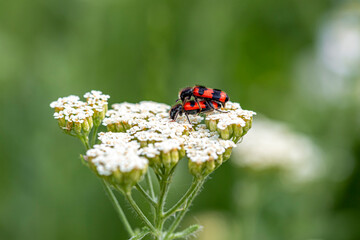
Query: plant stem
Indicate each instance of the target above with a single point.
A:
(142, 191)
(149, 183)
(174, 209)
(85, 141)
(118, 208)
(93, 135)
(164, 186)
(180, 216)
(140, 213)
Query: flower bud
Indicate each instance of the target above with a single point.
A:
(211, 124)
(237, 130)
(90, 121)
(196, 169)
(86, 126)
(69, 126)
(62, 122)
(225, 133)
(119, 127)
(77, 127)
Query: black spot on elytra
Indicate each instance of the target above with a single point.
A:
(216, 95)
(202, 90)
(192, 103)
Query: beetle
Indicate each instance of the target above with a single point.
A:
(200, 92)
(192, 107)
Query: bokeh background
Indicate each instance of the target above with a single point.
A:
(294, 62)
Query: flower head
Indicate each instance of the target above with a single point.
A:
(98, 102)
(231, 125)
(164, 142)
(76, 117)
(119, 164)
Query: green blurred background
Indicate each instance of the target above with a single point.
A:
(293, 61)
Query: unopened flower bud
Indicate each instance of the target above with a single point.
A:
(62, 122)
(119, 127)
(85, 126)
(69, 126)
(211, 124)
(77, 127)
(237, 130)
(225, 133)
(196, 169)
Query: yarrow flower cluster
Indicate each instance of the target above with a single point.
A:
(117, 160)
(76, 117)
(142, 135)
(232, 125)
(164, 142)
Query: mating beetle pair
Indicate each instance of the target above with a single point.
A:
(210, 100)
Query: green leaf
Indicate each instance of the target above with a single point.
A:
(145, 231)
(187, 232)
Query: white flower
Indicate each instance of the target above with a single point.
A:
(108, 160)
(164, 142)
(272, 144)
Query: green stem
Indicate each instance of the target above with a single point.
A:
(149, 183)
(180, 216)
(176, 207)
(93, 135)
(139, 212)
(85, 141)
(164, 186)
(118, 208)
(142, 191)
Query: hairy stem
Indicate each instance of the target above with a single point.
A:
(139, 212)
(185, 197)
(164, 186)
(149, 183)
(85, 141)
(145, 194)
(93, 135)
(117, 207)
(188, 202)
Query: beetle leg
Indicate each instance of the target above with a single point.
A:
(198, 103)
(187, 118)
(213, 108)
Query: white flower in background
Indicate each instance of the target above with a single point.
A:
(331, 72)
(339, 53)
(274, 145)
(339, 43)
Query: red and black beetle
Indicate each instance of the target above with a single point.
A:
(203, 93)
(192, 107)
